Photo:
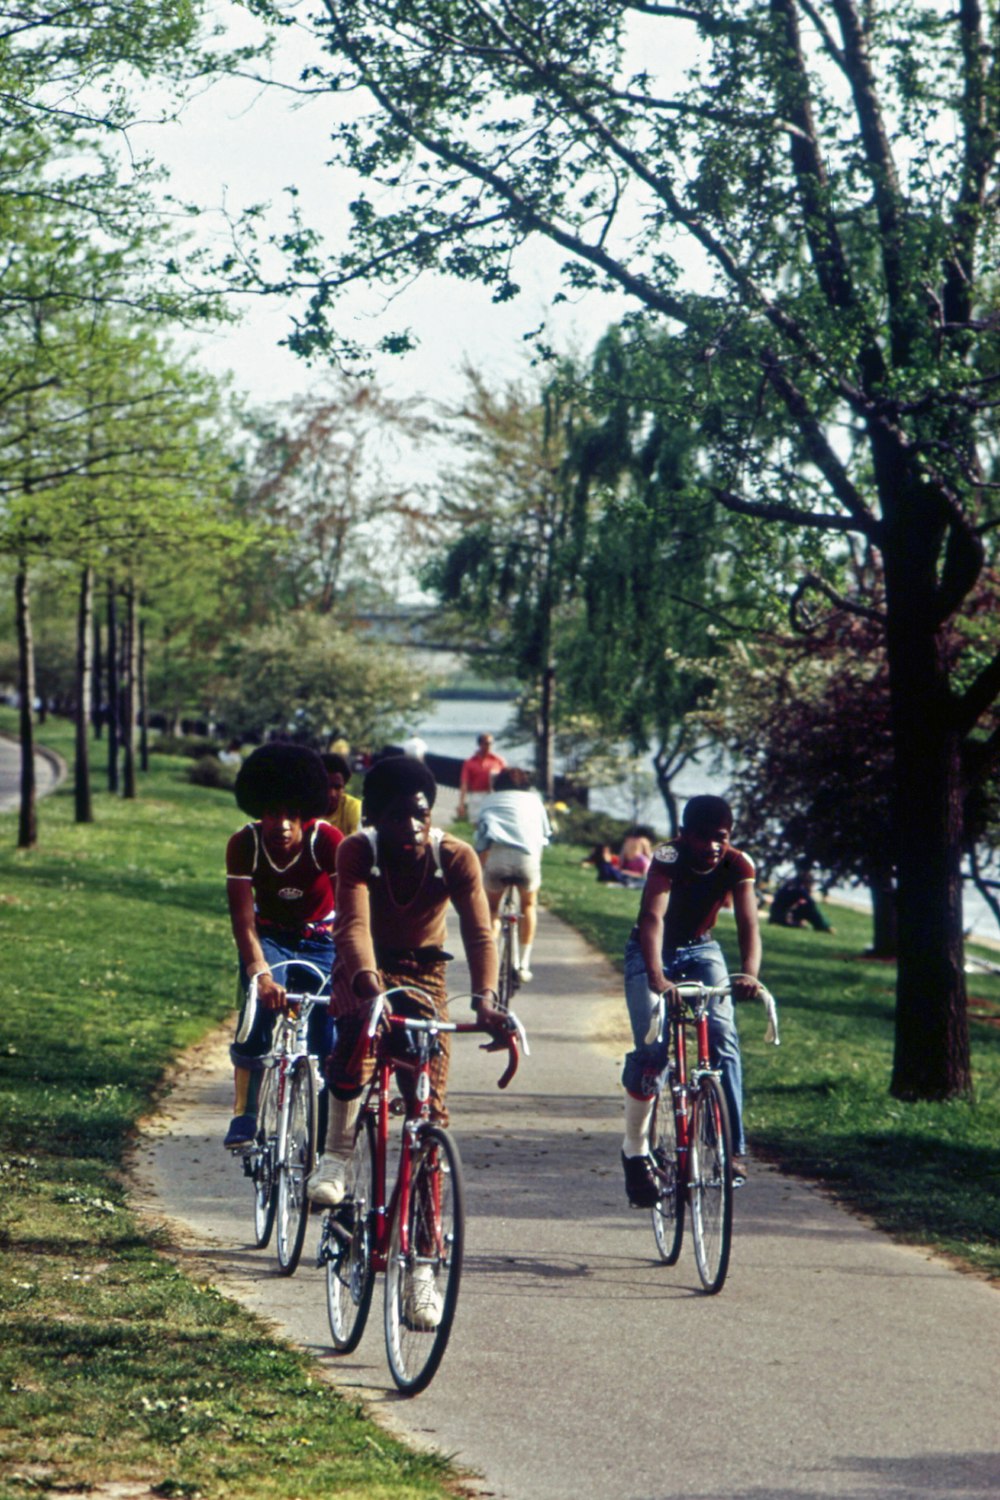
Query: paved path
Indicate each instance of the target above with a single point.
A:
(49, 771)
(833, 1363)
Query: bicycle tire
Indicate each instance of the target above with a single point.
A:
(298, 1161)
(710, 1184)
(262, 1173)
(436, 1224)
(668, 1213)
(347, 1245)
(507, 982)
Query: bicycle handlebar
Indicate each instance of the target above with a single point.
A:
(694, 989)
(515, 1039)
(297, 999)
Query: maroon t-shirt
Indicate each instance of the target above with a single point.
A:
(294, 894)
(695, 898)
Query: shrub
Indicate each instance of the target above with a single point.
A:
(208, 770)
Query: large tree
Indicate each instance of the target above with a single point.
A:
(517, 523)
(812, 208)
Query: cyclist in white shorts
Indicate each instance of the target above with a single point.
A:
(512, 830)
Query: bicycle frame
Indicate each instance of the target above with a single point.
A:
(415, 1234)
(690, 1009)
(378, 1037)
(290, 1040)
(281, 1153)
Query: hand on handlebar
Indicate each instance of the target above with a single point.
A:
(499, 1023)
(270, 994)
(744, 987)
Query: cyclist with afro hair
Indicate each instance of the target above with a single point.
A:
(280, 874)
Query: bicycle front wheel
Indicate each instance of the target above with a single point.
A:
(710, 1187)
(262, 1160)
(347, 1245)
(421, 1283)
(668, 1212)
(296, 1164)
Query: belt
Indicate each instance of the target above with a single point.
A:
(307, 929)
(431, 954)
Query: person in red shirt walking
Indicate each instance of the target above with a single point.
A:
(476, 778)
(280, 871)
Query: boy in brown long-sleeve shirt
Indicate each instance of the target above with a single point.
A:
(395, 879)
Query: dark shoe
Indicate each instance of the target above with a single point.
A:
(640, 1181)
(242, 1129)
(739, 1171)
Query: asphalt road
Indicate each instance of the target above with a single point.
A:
(833, 1363)
(48, 773)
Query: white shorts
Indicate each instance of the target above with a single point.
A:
(504, 865)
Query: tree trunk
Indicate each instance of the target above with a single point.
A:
(143, 701)
(885, 926)
(545, 740)
(97, 681)
(111, 656)
(130, 695)
(931, 1058)
(84, 683)
(27, 829)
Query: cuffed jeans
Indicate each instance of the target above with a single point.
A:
(646, 1066)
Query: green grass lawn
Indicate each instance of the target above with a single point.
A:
(117, 955)
(819, 1104)
(114, 1364)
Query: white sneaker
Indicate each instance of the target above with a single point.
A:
(525, 975)
(327, 1182)
(422, 1302)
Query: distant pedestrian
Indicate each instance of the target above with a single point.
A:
(476, 778)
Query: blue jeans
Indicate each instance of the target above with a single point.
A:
(646, 1066)
(283, 946)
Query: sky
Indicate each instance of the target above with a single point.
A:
(238, 144)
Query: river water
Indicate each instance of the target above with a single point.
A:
(452, 726)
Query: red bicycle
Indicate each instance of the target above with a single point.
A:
(416, 1236)
(691, 1138)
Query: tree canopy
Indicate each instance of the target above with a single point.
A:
(804, 194)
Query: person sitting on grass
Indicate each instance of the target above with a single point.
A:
(689, 881)
(794, 904)
(280, 871)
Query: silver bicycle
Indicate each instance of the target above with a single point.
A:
(283, 1151)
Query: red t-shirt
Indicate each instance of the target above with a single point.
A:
(478, 771)
(291, 895)
(695, 898)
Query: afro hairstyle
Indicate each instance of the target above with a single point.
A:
(395, 776)
(705, 814)
(280, 775)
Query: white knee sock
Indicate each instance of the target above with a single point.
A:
(526, 956)
(638, 1114)
(340, 1126)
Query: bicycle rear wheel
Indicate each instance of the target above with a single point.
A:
(421, 1286)
(668, 1213)
(710, 1189)
(510, 954)
(262, 1160)
(347, 1245)
(295, 1166)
